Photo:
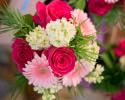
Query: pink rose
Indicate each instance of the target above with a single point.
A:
(55, 10)
(58, 9)
(21, 53)
(120, 50)
(99, 7)
(61, 60)
(120, 95)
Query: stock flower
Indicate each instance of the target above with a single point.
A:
(61, 60)
(55, 10)
(48, 94)
(39, 73)
(99, 7)
(21, 53)
(120, 49)
(74, 77)
(95, 76)
(81, 18)
(60, 32)
(38, 39)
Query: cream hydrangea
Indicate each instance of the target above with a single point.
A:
(95, 76)
(38, 38)
(60, 32)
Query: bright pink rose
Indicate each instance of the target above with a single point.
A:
(99, 7)
(120, 95)
(55, 10)
(58, 9)
(21, 53)
(61, 60)
(120, 50)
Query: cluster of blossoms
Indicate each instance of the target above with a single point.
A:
(60, 52)
(103, 7)
(120, 53)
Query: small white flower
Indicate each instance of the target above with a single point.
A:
(48, 94)
(60, 32)
(38, 39)
(95, 76)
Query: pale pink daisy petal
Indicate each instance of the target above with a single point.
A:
(75, 77)
(111, 1)
(81, 18)
(39, 73)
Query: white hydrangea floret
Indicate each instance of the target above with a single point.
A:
(95, 76)
(38, 38)
(60, 32)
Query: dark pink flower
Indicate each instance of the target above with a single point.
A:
(22, 53)
(120, 95)
(58, 9)
(120, 50)
(61, 60)
(55, 10)
(99, 7)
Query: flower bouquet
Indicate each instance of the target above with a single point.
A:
(54, 49)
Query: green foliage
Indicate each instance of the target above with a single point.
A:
(81, 46)
(20, 85)
(113, 76)
(78, 4)
(110, 18)
(97, 19)
(14, 21)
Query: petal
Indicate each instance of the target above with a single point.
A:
(42, 13)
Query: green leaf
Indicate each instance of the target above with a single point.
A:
(81, 4)
(28, 20)
(107, 60)
(21, 33)
(111, 17)
(97, 19)
(20, 85)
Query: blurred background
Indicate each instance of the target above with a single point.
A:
(8, 68)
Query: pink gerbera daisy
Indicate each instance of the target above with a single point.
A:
(73, 78)
(111, 1)
(39, 73)
(81, 18)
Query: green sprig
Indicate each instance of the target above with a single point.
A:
(14, 21)
(81, 46)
